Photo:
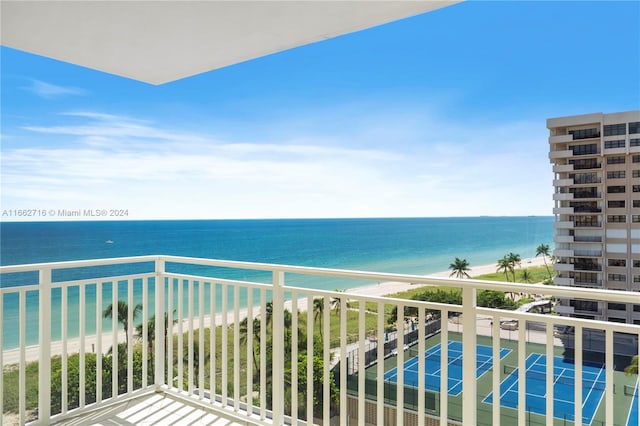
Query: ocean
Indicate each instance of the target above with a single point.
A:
(396, 245)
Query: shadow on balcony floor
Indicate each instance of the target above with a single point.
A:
(154, 409)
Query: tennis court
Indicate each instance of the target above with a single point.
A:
(484, 361)
(593, 387)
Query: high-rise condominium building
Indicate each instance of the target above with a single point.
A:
(596, 166)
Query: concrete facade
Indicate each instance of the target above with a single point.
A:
(596, 165)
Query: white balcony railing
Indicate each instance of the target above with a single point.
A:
(240, 346)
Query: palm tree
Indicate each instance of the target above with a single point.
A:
(459, 268)
(504, 265)
(526, 276)
(151, 330)
(514, 260)
(318, 309)
(336, 303)
(543, 250)
(256, 337)
(123, 315)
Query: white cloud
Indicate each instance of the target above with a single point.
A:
(49, 91)
(119, 162)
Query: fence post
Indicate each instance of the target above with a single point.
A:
(278, 348)
(44, 362)
(469, 356)
(160, 322)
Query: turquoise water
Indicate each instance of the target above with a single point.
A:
(400, 245)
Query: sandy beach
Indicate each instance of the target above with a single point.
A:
(381, 289)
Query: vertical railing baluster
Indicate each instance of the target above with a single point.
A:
(444, 367)
(44, 361)
(382, 337)
(310, 338)
(225, 345)
(495, 377)
(399, 366)
(609, 376)
(326, 356)
(361, 362)
(114, 337)
(578, 374)
(190, 359)
(421, 366)
(550, 374)
(263, 354)
(277, 330)
(469, 342)
(236, 348)
(99, 341)
(65, 339)
(294, 358)
(343, 362)
(129, 331)
(160, 326)
(81, 337)
(522, 371)
(201, 329)
(212, 343)
(145, 331)
(22, 389)
(170, 328)
(180, 356)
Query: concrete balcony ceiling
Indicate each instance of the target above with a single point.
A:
(162, 41)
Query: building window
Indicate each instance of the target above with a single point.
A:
(636, 308)
(615, 129)
(615, 160)
(617, 277)
(636, 158)
(616, 218)
(585, 305)
(589, 163)
(634, 142)
(636, 173)
(634, 127)
(621, 320)
(579, 178)
(587, 149)
(618, 143)
(617, 306)
(636, 278)
(615, 189)
(636, 188)
(616, 204)
(585, 133)
(617, 262)
(617, 174)
(588, 221)
(636, 264)
(635, 218)
(636, 203)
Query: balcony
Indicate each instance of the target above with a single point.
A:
(562, 168)
(207, 337)
(567, 224)
(563, 182)
(555, 155)
(562, 210)
(587, 239)
(588, 253)
(563, 239)
(563, 196)
(563, 253)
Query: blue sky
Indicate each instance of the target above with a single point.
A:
(441, 114)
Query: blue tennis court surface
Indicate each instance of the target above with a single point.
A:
(593, 386)
(632, 420)
(484, 362)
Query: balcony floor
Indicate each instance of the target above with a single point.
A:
(153, 409)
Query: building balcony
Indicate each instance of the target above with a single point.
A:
(563, 281)
(563, 253)
(587, 253)
(556, 155)
(558, 239)
(587, 239)
(563, 267)
(562, 168)
(563, 210)
(567, 224)
(563, 182)
(201, 340)
(563, 196)
(560, 139)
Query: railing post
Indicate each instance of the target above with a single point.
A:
(160, 323)
(469, 356)
(278, 348)
(44, 362)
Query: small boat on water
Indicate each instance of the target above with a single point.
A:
(109, 242)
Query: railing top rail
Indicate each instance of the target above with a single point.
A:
(582, 293)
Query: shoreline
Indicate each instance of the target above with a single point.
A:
(12, 356)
